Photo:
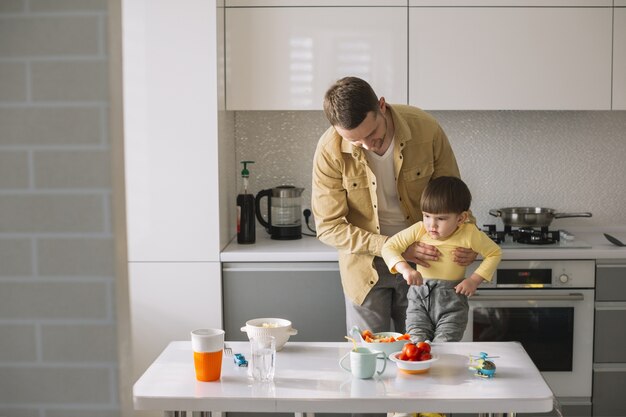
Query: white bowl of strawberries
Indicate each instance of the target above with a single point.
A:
(414, 358)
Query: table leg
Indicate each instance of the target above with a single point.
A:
(303, 414)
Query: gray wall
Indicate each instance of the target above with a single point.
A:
(569, 161)
(57, 326)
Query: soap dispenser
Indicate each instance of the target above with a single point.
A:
(246, 224)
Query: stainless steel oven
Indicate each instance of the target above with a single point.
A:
(548, 306)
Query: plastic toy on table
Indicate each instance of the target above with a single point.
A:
(240, 360)
(482, 365)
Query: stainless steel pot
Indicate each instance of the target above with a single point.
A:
(531, 216)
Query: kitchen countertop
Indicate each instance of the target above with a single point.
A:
(310, 249)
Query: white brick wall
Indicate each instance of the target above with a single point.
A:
(57, 326)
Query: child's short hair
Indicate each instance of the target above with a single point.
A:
(446, 195)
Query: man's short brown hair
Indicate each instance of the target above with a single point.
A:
(446, 195)
(347, 102)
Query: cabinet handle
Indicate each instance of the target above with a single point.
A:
(520, 297)
(294, 268)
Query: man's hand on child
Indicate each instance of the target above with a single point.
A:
(420, 253)
(464, 256)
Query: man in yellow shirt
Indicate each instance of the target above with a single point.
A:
(438, 307)
(369, 171)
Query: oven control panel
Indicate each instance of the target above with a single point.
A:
(542, 274)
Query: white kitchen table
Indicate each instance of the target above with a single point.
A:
(308, 379)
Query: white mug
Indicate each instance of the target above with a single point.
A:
(363, 362)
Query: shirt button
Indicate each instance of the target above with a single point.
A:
(407, 217)
(400, 156)
(371, 282)
(374, 205)
(373, 183)
(401, 143)
(418, 173)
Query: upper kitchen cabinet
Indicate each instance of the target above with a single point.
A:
(619, 56)
(511, 55)
(285, 58)
(171, 123)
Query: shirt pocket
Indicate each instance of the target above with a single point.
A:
(419, 173)
(355, 184)
(415, 180)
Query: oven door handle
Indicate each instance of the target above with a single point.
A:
(520, 297)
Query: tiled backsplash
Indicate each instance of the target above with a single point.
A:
(569, 161)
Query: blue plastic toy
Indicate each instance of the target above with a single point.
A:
(240, 360)
(483, 367)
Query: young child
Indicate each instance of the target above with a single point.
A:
(438, 306)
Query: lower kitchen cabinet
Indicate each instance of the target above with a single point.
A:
(609, 381)
(610, 337)
(609, 369)
(307, 293)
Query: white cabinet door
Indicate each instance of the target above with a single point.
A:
(169, 300)
(492, 58)
(285, 58)
(619, 58)
(171, 131)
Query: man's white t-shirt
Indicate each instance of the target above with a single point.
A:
(390, 214)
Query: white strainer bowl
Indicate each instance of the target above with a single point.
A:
(279, 328)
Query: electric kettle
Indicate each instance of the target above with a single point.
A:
(284, 212)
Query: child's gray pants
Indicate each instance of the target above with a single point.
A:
(436, 312)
